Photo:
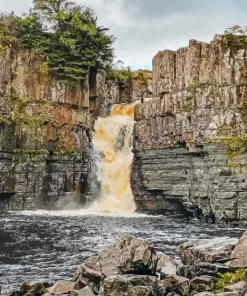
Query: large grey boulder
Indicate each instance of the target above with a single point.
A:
(144, 281)
(206, 250)
(128, 255)
(166, 265)
(131, 285)
(63, 287)
(200, 269)
(201, 283)
(176, 283)
(87, 291)
(237, 287)
(115, 285)
(139, 291)
(239, 254)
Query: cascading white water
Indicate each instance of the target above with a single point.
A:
(113, 140)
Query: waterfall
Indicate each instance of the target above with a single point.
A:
(113, 142)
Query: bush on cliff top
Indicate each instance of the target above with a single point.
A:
(66, 35)
(237, 36)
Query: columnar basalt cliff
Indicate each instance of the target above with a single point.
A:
(189, 140)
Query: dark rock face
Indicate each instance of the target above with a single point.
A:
(39, 184)
(198, 183)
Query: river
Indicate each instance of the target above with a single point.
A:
(50, 245)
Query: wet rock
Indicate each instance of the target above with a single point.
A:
(16, 293)
(144, 281)
(205, 293)
(201, 283)
(115, 285)
(85, 276)
(87, 291)
(193, 293)
(24, 287)
(239, 254)
(166, 265)
(127, 256)
(202, 269)
(206, 250)
(172, 294)
(238, 287)
(244, 291)
(228, 294)
(178, 284)
(63, 287)
(37, 289)
(139, 291)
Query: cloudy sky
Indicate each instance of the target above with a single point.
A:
(143, 27)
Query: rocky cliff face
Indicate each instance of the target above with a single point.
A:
(46, 129)
(189, 140)
(44, 132)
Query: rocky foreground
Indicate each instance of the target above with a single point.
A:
(132, 267)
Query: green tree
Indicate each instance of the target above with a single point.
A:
(67, 36)
(237, 35)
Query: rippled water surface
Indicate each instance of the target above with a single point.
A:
(50, 246)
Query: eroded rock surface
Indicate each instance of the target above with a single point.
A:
(185, 136)
(206, 250)
(239, 254)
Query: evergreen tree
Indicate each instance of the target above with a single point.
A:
(67, 36)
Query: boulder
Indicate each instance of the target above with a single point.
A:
(244, 291)
(239, 253)
(139, 291)
(228, 294)
(206, 250)
(115, 285)
(31, 288)
(202, 269)
(63, 287)
(87, 276)
(128, 255)
(238, 287)
(201, 283)
(166, 265)
(177, 284)
(205, 293)
(87, 291)
(144, 281)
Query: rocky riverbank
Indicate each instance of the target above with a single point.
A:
(133, 267)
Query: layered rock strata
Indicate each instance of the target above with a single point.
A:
(189, 140)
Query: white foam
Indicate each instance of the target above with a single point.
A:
(83, 212)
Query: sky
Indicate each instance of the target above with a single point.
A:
(143, 27)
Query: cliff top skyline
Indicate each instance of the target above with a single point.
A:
(143, 27)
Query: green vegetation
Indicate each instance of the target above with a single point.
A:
(122, 75)
(65, 35)
(6, 38)
(190, 98)
(142, 76)
(234, 146)
(226, 279)
(237, 36)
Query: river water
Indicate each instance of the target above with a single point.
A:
(50, 245)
